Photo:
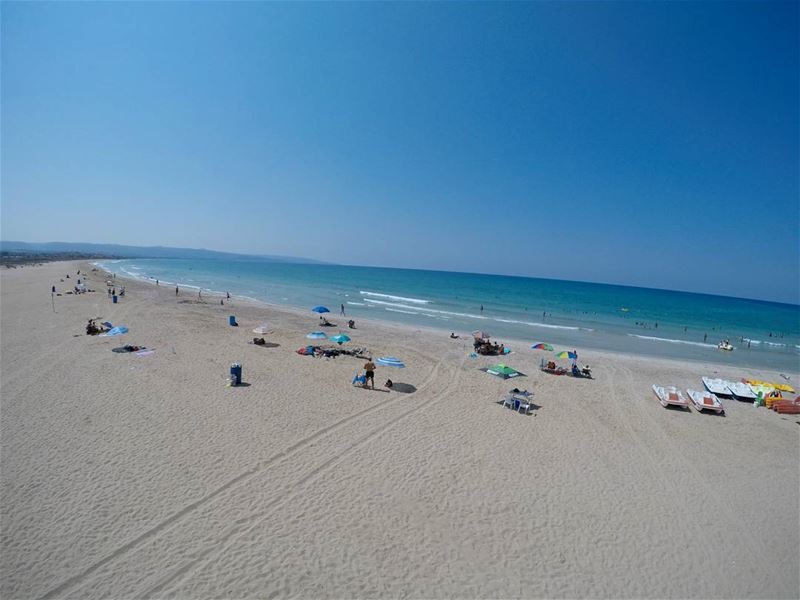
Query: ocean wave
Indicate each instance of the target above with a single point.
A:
(356, 303)
(405, 312)
(547, 325)
(658, 339)
(423, 310)
(390, 297)
(773, 344)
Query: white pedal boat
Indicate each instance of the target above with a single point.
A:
(670, 396)
(742, 391)
(705, 401)
(718, 387)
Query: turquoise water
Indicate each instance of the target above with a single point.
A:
(563, 313)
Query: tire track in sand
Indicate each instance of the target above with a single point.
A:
(290, 495)
(240, 479)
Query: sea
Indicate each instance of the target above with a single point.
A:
(565, 314)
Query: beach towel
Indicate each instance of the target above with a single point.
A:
(145, 352)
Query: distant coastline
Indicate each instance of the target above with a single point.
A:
(87, 249)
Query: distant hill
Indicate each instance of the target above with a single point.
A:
(120, 251)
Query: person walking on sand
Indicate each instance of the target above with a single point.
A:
(342, 311)
(370, 373)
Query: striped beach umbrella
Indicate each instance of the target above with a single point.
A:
(391, 361)
(566, 354)
(542, 346)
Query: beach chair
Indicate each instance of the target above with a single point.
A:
(508, 401)
(521, 403)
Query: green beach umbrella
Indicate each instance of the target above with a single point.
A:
(502, 371)
(340, 338)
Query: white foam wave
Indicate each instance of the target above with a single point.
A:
(356, 303)
(405, 312)
(390, 297)
(423, 310)
(658, 339)
(547, 325)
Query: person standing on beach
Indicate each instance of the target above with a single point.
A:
(228, 294)
(176, 290)
(370, 373)
(342, 311)
(156, 281)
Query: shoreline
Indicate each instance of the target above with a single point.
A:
(714, 366)
(126, 475)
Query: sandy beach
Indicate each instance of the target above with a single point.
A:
(128, 476)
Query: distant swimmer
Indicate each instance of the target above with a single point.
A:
(705, 337)
(342, 311)
(481, 307)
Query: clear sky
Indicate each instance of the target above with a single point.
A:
(651, 144)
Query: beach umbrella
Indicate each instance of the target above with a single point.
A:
(391, 361)
(481, 335)
(340, 338)
(117, 331)
(502, 371)
(316, 335)
(566, 354)
(542, 346)
(320, 309)
(262, 329)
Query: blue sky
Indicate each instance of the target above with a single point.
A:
(651, 144)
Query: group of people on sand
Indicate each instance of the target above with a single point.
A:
(93, 328)
(487, 348)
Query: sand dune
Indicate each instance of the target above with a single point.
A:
(129, 476)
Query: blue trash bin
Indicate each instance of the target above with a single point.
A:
(114, 299)
(236, 374)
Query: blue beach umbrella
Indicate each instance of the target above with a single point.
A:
(117, 331)
(391, 361)
(320, 309)
(340, 338)
(316, 335)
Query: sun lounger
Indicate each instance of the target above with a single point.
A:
(670, 396)
(705, 401)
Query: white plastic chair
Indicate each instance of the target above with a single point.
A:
(523, 403)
